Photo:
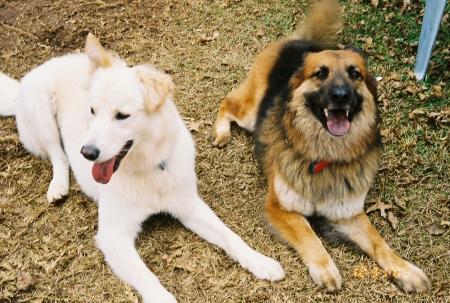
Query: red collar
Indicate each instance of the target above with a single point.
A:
(317, 167)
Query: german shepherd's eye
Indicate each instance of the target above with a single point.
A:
(322, 74)
(120, 116)
(354, 74)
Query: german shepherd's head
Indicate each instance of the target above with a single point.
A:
(334, 85)
(331, 110)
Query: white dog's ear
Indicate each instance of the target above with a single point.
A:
(97, 54)
(158, 86)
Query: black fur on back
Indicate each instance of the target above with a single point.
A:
(290, 59)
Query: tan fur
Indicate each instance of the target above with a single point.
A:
(100, 58)
(321, 25)
(241, 104)
(291, 137)
(293, 228)
(158, 87)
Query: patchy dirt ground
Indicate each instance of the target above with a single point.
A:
(47, 253)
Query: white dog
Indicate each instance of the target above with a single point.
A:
(137, 157)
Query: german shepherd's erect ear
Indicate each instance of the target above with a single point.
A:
(157, 84)
(370, 80)
(98, 56)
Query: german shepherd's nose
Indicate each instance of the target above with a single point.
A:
(340, 95)
(90, 152)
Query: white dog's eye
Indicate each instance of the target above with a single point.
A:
(92, 111)
(120, 116)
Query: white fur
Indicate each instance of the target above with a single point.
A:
(332, 210)
(8, 95)
(54, 102)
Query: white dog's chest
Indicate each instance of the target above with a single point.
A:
(331, 209)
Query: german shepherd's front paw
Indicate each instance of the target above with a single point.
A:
(326, 276)
(219, 138)
(410, 278)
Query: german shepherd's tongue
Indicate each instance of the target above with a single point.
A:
(337, 122)
(102, 172)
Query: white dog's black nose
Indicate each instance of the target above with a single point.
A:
(90, 152)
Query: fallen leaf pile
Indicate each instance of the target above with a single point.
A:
(434, 229)
(439, 118)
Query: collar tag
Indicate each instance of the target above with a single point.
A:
(162, 165)
(317, 167)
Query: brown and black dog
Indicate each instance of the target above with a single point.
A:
(317, 140)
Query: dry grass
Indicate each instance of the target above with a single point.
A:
(47, 253)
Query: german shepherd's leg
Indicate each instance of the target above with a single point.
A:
(204, 222)
(360, 231)
(293, 228)
(237, 107)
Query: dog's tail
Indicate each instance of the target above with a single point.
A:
(321, 24)
(9, 90)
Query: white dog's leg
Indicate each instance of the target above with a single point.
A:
(59, 186)
(115, 238)
(39, 133)
(204, 222)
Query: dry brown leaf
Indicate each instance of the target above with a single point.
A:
(374, 3)
(24, 280)
(389, 17)
(399, 203)
(193, 125)
(401, 233)
(395, 76)
(434, 229)
(259, 33)
(408, 179)
(445, 223)
(385, 132)
(441, 118)
(382, 207)
(436, 91)
(392, 219)
(422, 96)
(205, 38)
(417, 112)
(411, 89)
(442, 283)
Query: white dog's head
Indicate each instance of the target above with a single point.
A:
(121, 99)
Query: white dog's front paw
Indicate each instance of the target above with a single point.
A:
(57, 190)
(410, 278)
(263, 267)
(326, 276)
(160, 296)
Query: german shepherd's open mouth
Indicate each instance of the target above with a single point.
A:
(338, 121)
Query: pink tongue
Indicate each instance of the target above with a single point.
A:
(338, 124)
(102, 172)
